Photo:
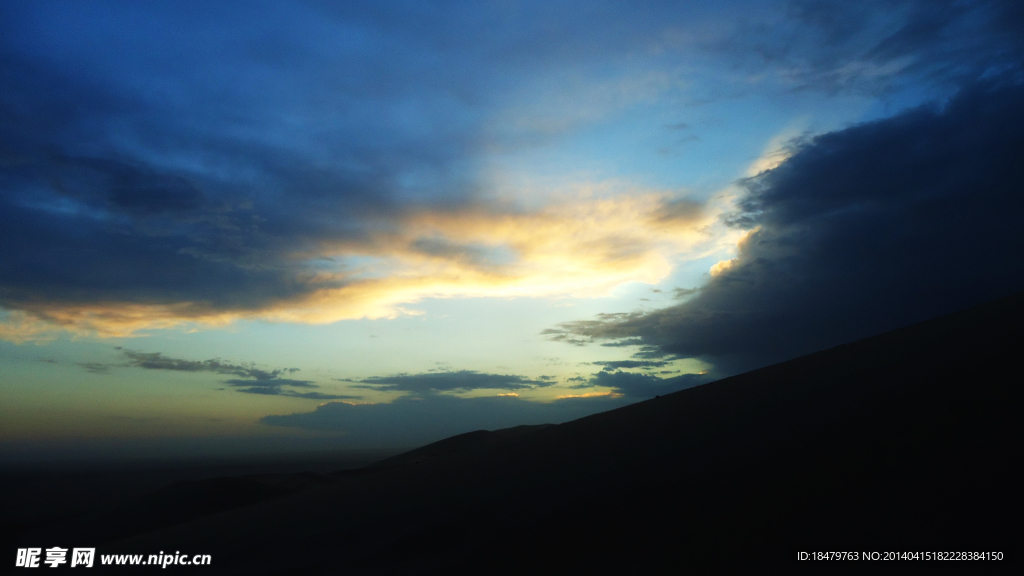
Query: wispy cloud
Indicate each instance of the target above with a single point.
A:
(157, 361)
(95, 367)
(617, 364)
(252, 379)
(460, 381)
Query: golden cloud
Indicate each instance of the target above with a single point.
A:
(609, 394)
(579, 247)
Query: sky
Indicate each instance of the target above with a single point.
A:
(261, 227)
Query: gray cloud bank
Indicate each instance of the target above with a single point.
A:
(459, 381)
(157, 361)
(632, 385)
(425, 415)
(413, 420)
(252, 380)
(860, 231)
(635, 386)
(614, 364)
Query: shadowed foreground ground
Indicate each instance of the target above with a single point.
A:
(901, 442)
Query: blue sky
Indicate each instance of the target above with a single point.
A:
(235, 227)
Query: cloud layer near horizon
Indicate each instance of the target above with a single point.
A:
(250, 379)
(460, 381)
(414, 420)
(859, 231)
(428, 411)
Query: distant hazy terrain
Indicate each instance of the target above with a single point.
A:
(33, 493)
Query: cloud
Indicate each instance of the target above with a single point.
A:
(253, 380)
(157, 361)
(165, 167)
(557, 335)
(124, 277)
(277, 390)
(615, 364)
(412, 420)
(879, 47)
(95, 367)
(271, 382)
(153, 178)
(638, 386)
(859, 231)
(460, 381)
(680, 293)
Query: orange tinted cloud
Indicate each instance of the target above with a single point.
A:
(580, 247)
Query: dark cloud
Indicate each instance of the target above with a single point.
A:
(157, 361)
(461, 381)
(558, 336)
(85, 218)
(412, 420)
(272, 383)
(680, 293)
(275, 386)
(638, 386)
(79, 232)
(278, 391)
(95, 367)
(253, 380)
(616, 364)
(135, 167)
(879, 46)
(859, 231)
